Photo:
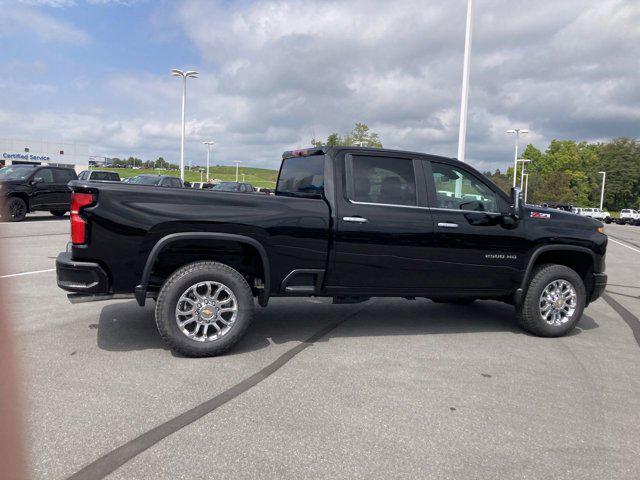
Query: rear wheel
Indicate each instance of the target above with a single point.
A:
(15, 210)
(554, 301)
(203, 309)
(58, 213)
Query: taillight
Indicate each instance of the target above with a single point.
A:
(78, 225)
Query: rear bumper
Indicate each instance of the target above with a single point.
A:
(80, 277)
(599, 284)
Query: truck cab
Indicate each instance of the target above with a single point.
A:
(345, 222)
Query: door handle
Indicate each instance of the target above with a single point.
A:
(448, 225)
(355, 219)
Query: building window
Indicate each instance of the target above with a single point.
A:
(26, 149)
(61, 152)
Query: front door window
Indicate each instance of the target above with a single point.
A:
(457, 189)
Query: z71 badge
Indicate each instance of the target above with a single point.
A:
(540, 215)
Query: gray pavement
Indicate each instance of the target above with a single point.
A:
(400, 389)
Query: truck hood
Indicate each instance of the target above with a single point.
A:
(552, 214)
(10, 183)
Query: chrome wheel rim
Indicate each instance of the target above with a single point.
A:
(206, 311)
(558, 302)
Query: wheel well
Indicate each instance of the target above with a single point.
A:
(24, 197)
(240, 256)
(580, 262)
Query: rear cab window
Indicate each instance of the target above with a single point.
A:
(301, 177)
(110, 176)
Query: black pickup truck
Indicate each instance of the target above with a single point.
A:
(348, 223)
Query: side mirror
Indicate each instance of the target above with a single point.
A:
(516, 204)
(37, 180)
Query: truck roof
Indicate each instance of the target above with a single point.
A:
(309, 151)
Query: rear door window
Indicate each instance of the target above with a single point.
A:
(46, 174)
(381, 180)
(301, 177)
(64, 176)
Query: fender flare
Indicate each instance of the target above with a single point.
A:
(518, 296)
(141, 289)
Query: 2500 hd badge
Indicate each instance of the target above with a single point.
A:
(501, 256)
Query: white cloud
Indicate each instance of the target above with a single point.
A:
(275, 73)
(16, 21)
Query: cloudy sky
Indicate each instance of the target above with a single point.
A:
(275, 74)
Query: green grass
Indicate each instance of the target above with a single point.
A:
(258, 177)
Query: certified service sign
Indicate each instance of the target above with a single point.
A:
(26, 156)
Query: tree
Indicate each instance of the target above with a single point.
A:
(360, 135)
(161, 163)
(568, 171)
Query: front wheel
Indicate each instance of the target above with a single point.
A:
(554, 301)
(203, 309)
(15, 210)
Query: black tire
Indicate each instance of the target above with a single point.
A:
(455, 301)
(178, 283)
(528, 314)
(58, 213)
(15, 210)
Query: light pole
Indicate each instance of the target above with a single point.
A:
(526, 186)
(208, 144)
(188, 74)
(237, 162)
(523, 161)
(243, 178)
(604, 176)
(462, 134)
(517, 131)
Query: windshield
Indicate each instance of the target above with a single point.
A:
(226, 186)
(15, 172)
(143, 180)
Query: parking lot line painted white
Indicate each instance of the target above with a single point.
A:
(35, 222)
(27, 273)
(624, 245)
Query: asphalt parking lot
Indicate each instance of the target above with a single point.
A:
(398, 389)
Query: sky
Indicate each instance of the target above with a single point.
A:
(276, 73)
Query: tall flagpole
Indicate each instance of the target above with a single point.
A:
(462, 136)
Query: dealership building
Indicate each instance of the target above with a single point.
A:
(43, 152)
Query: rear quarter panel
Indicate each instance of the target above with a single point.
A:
(128, 220)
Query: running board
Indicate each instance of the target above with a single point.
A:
(88, 297)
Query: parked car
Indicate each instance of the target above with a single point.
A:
(156, 180)
(202, 185)
(99, 176)
(234, 187)
(596, 213)
(345, 222)
(567, 207)
(26, 188)
(628, 216)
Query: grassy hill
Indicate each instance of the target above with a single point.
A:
(258, 177)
